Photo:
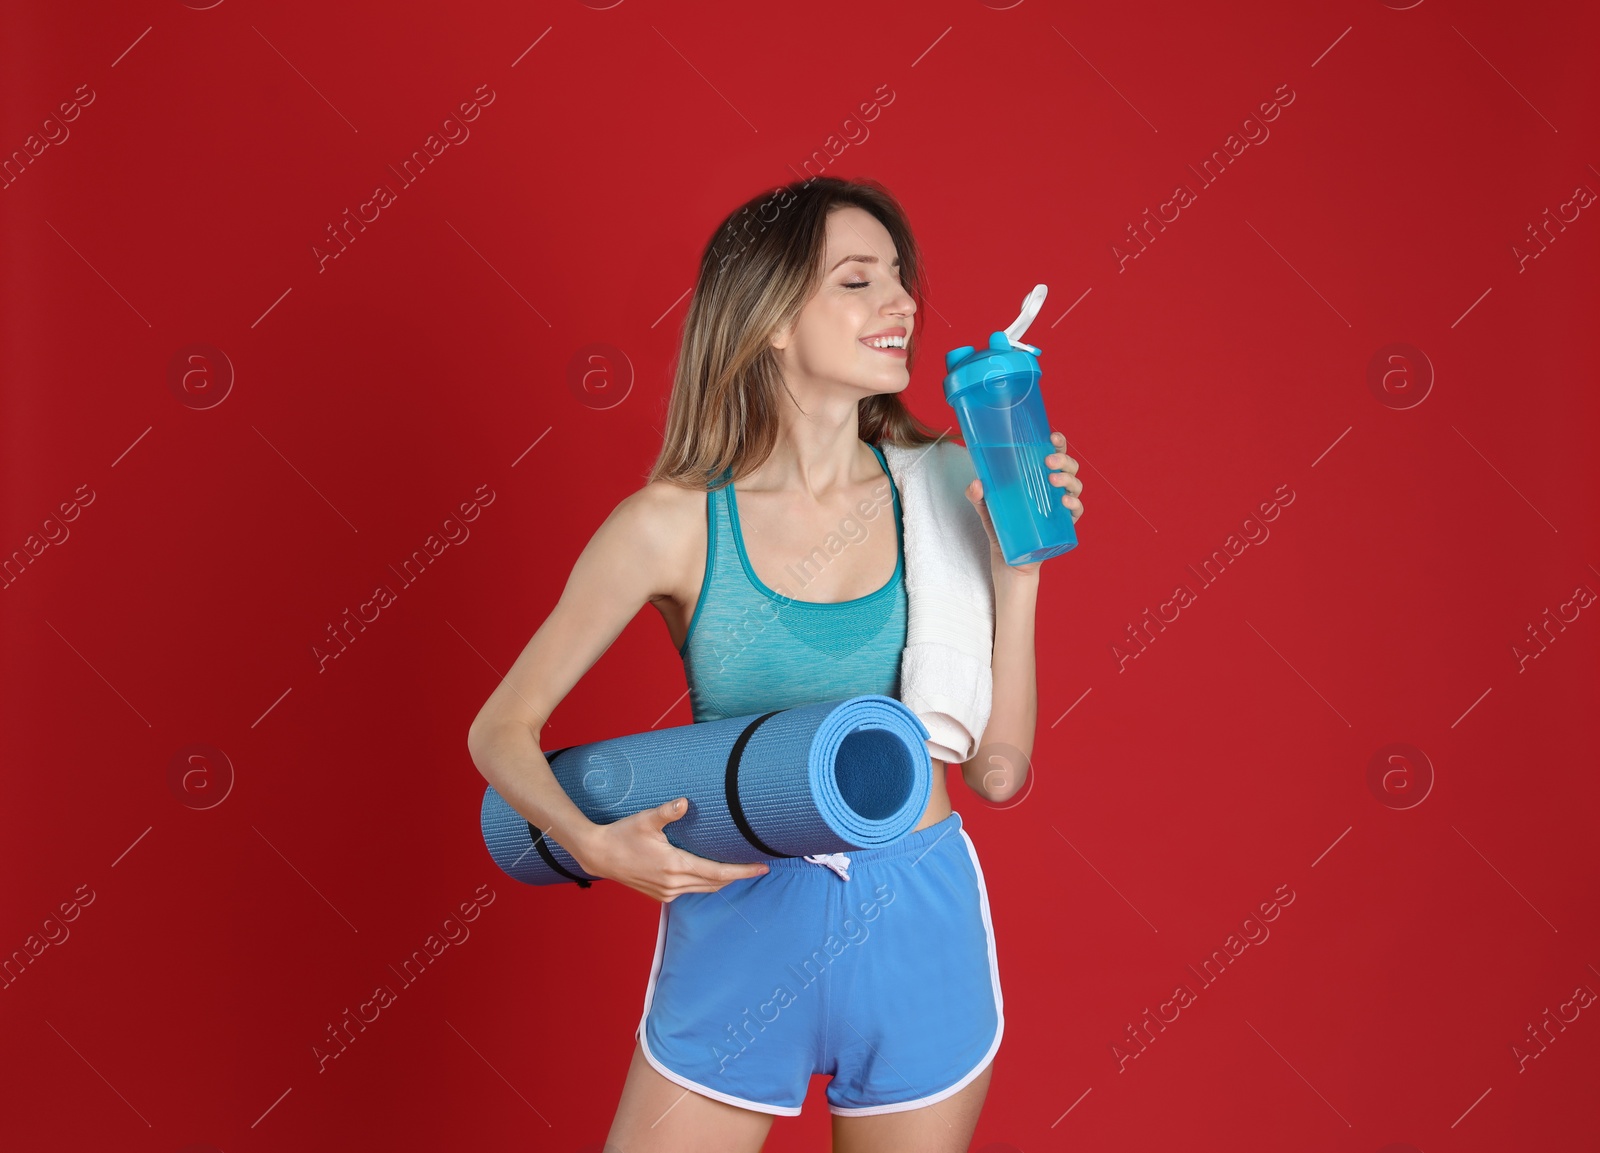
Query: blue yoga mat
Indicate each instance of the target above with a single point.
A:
(822, 778)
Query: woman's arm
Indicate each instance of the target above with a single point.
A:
(1000, 766)
(627, 563)
(615, 575)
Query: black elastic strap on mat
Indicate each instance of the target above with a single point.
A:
(540, 844)
(543, 847)
(731, 785)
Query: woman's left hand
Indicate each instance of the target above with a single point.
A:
(1063, 474)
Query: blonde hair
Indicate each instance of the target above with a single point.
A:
(758, 270)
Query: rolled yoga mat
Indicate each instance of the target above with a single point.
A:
(822, 778)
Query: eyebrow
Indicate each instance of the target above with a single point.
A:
(863, 260)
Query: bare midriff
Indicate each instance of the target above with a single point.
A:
(938, 802)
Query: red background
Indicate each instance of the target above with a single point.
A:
(362, 403)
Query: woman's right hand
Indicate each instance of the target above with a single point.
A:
(635, 852)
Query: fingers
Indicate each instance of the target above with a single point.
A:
(688, 872)
(1066, 477)
(1060, 459)
(723, 874)
(697, 869)
(1069, 499)
(709, 883)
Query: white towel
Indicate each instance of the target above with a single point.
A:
(946, 670)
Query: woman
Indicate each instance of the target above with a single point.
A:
(877, 967)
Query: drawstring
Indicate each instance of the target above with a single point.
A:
(838, 862)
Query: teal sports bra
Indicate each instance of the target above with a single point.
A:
(750, 649)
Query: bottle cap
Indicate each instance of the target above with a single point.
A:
(1006, 358)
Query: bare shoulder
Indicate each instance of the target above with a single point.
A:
(668, 522)
(659, 511)
(632, 559)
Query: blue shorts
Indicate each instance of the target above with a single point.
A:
(888, 981)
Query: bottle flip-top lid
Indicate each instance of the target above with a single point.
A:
(1005, 357)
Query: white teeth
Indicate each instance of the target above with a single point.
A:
(888, 342)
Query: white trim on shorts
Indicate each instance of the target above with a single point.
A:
(678, 1078)
(999, 1008)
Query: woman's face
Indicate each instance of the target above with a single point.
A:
(860, 297)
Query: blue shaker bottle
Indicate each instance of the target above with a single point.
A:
(995, 393)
